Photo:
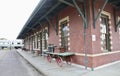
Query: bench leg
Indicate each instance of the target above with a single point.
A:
(68, 60)
(49, 58)
(59, 61)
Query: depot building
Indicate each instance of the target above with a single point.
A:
(89, 28)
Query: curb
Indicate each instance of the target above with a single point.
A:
(32, 65)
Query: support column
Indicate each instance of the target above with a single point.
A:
(84, 17)
(95, 18)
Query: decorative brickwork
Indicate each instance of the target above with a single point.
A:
(103, 29)
(68, 39)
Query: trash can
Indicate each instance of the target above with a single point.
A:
(51, 48)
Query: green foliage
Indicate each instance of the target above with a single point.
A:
(3, 39)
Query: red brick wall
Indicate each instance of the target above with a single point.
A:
(77, 35)
(115, 35)
(81, 60)
(100, 60)
(53, 38)
(104, 59)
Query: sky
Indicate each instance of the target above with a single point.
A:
(13, 16)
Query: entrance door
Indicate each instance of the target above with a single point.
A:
(105, 33)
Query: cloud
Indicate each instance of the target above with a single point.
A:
(13, 15)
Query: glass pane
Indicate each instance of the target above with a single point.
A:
(64, 35)
(105, 33)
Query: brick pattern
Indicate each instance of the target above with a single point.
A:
(104, 59)
(76, 39)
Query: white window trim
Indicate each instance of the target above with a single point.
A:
(106, 13)
(60, 21)
(64, 19)
(118, 18)
(109, 16)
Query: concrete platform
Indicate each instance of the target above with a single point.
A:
(52, 69)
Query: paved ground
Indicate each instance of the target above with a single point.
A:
(113, 70)
(11, 64)
(51, 69)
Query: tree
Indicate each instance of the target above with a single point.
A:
(3, 39)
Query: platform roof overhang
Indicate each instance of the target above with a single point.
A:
(49, 8)
(115, 3)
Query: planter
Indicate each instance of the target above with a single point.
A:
(61, 49)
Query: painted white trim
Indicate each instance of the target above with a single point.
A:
(60, 44)
(64, 19)
(37, 32)
(100, 19)
(36, 49)
(101, 42)
(96, 68)
(110, 23)
(110, 32)
(111, 42)
(68, 48)
(59, 40)
(105, 65)
(60, 21)
(110, 27)
(118, 18)
(68, 43)
(109, 16)
(68, 38)
(111, 47)
(46, 28)
(100, 54)
(106, 13)
(102, 48)
(80, 66)
(59, 35)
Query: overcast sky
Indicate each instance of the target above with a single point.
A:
(13, 15)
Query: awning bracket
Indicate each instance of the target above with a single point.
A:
(79, 11)
(51, 24)
(95, 18)
(30, 28)
(67, 3)
(84, 17)
(116, 22)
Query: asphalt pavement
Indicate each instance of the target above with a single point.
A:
(12, 64)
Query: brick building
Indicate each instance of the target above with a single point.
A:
(89, 28)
